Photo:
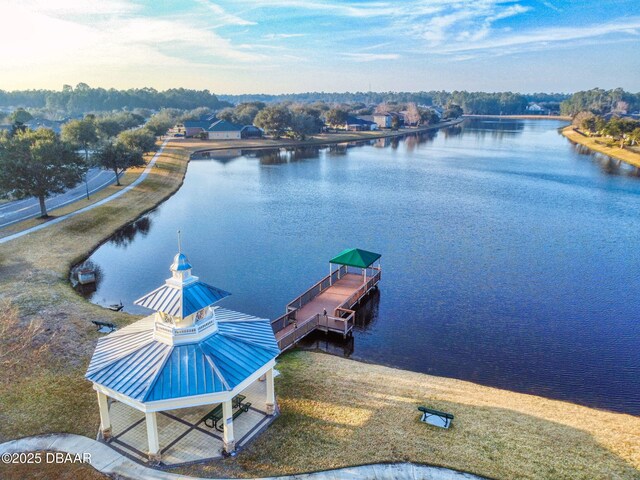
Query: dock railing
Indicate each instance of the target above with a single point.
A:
(301, 300)
(283, 320)
(343, 321)
(301, 330)
(361, 292)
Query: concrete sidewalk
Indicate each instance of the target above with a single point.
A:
(108, 461)
(57, 220)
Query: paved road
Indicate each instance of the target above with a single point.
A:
(18, 210)
(99, 203)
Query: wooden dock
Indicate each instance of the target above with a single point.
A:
(327, 306)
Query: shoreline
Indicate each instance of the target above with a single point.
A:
(522, 117)
(318, 140)
(48, 376)
(624, 155)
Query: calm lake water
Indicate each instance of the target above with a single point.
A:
(509, 255)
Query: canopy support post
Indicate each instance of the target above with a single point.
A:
(271, 397)
(152, 434)
(105, 420)
(227, 434)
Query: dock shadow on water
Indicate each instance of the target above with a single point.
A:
(507, 253)
(329, 342)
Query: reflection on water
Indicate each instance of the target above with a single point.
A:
(608, 165)
(507, 252)
(121, 240)
(222, 156)
(127, 234)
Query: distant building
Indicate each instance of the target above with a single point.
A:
(251, 131)
(214, 130)
(55, 125)
(193, 128)
(385, 120)
(360, 124)
(536, 109)
(223, 130)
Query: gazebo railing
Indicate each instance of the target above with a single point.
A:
(173, 331)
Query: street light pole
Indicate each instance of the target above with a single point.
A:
(86, 183)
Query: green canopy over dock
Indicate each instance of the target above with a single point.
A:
(355, 257)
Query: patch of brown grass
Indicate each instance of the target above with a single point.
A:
(336, 413)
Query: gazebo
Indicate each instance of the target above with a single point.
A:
(195, 366)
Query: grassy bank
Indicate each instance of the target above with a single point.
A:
(314, 140)
(42, 387)
(598, 145)
(335, 412)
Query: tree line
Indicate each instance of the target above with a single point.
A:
(83, 99)
(621, 131)
(482, 103)
(601, 102)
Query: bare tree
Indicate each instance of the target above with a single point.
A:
(384, 108)
(412, 114)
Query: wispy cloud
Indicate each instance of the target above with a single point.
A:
(464, 21)
(276, 36)
(547, 36)
(222, 16)
(75, 8)
(371, 57)
(344, 8)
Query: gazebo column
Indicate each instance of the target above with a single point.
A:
(152, 435)
(271, 396)
(227, 434)
(105, 419)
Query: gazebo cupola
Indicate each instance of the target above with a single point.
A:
(192, 356)
(183, 305)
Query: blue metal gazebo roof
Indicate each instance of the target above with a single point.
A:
(182, 301)
(131, 362)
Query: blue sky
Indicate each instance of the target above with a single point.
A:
(276, 46)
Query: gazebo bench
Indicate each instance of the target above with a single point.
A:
(442, 419)
(212, 418)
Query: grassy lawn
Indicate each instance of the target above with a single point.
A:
(335, 412)
(43, 382)
(630, 156)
